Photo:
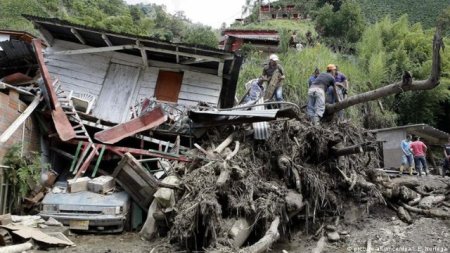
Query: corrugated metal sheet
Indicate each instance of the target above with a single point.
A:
(14, 50)
(419, 128)
(261, 128)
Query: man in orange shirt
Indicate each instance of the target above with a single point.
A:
(419, 150)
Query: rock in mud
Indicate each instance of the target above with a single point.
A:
(333, 236)
(330, 228)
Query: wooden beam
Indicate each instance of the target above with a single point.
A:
(194, 61)
(115, 48)
(177, 67)
(227, 55)
(20, 91)
(107, 41)
(46, 35)
(78, 35)
(143, 54)
(93, 50)
(48, 83)
(218, 59)
(148, 120)
(18, 122)
(220, 69)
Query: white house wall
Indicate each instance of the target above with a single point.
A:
(86, 73)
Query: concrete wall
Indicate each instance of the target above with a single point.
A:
(11, 107)
(392, 152)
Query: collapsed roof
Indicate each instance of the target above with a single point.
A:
(202, 58)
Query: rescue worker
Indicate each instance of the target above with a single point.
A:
(273, 73)
(340, 93)
(313, 77)
(316, 94)
(407, 158)
(255, 92)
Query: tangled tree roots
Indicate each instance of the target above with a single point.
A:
(236, 180)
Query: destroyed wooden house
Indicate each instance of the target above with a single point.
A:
(110, 104)
(115, 76)
(95, 95)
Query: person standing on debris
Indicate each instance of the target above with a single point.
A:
(419, 149)
(341, 88)
(273, 74)
(313, 77)
(316, 94)
(407, 158)
(446, 167)
(255, 92)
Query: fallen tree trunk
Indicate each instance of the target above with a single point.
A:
(432, 212)
(271, 236)
(405, 85)
(355, 149)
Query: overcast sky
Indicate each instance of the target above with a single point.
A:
(208, 12)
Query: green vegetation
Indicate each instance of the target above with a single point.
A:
(384, 51)
(301, 26)
(341, 29)
(115, 15)
(424, 12)
(24, 172)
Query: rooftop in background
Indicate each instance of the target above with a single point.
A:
(422, 130)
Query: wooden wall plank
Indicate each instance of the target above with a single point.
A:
(115, 95)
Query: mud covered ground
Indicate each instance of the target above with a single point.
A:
(386, 232)
(379, 227)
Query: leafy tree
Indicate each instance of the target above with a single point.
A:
(336, 4)
(201, 35)
(342, 28)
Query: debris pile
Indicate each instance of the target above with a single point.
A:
(240, 181)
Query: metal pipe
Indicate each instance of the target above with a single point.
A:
(256, 105)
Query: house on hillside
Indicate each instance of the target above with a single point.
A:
(270, 11)
(392, 137)
(117, 75)
(262, 40)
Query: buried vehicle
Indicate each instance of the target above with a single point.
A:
(88, 211)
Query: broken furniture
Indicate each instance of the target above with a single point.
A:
(137, 181)
(83, 102)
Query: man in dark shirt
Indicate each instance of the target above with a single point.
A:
(313, 77)
(446, 167)
(316, 93)
(273, 73)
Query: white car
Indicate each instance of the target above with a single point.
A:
(88, 211)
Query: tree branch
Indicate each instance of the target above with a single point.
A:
(398, 87)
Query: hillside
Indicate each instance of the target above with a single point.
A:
(114, 15)
(301, 26)
(424, 12)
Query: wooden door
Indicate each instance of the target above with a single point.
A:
(114, 98)
(168, 86)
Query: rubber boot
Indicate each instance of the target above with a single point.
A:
(316, 120)
(401, 170)
(411, 170)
